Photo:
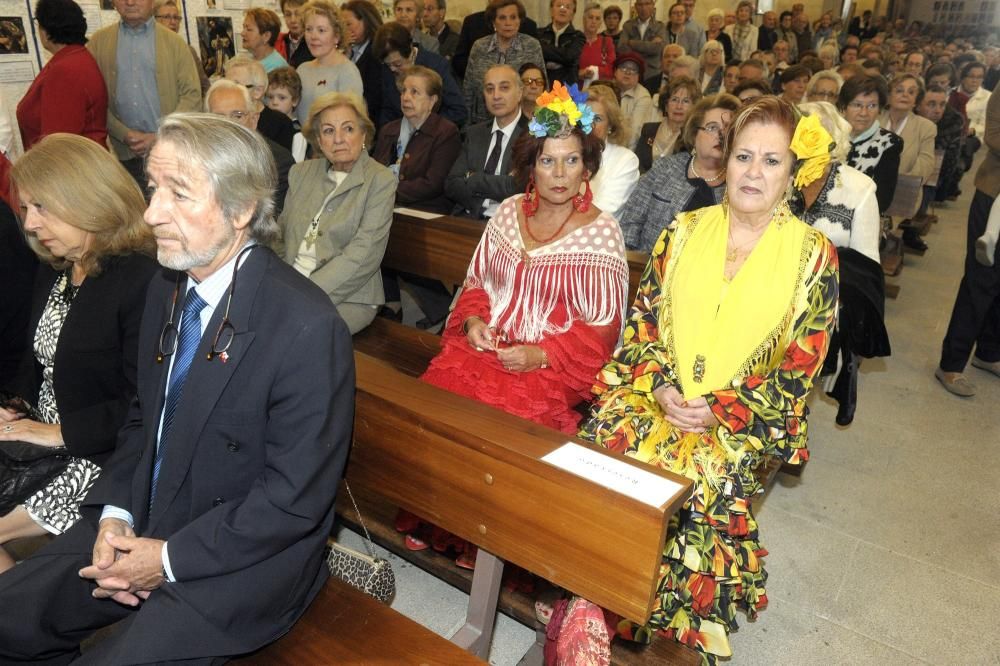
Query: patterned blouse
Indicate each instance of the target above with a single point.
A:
(47, 337)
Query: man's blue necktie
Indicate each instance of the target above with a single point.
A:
(187, 345)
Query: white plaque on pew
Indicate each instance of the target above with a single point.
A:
(616, 475)
(413, 212)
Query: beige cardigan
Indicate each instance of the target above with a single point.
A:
(177, 82)
(354, 227)
(917, 158)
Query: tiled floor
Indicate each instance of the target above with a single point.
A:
(887, 549)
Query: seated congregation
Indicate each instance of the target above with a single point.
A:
(186, 355)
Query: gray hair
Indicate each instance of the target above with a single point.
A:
(517, 77)
(715, 12)
(826, 74)
(226, 84)
(832, 122)
(675, 45)
(694, 67)
(236, 161)
(253, 67)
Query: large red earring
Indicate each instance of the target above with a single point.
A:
(581, 202)
(529, 204)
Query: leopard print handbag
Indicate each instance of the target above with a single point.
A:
(366, 571)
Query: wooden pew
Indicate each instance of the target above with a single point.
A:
(478, 472)
(345, 626)
(441, 249)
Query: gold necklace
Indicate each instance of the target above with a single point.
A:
(731, 255)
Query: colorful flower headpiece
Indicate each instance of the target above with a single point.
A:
(811, 144)
(557, 112)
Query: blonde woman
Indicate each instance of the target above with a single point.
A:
(330, 70)
(619, 171)
(83, 218)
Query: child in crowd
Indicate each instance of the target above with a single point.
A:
(986, 245)
(284, 91)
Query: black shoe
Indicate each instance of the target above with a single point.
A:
(912, 240)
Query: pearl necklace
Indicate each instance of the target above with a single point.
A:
(718, 174)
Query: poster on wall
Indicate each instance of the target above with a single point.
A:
(216, 42)
(13, 38)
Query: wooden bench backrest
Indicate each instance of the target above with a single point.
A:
(442, 249)
(477, 472)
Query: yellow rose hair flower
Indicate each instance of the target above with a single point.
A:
(811, 144)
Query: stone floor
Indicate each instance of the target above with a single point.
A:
(887, 549)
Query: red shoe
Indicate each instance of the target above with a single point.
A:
(467, 560)
(413, 543)
(406, 521)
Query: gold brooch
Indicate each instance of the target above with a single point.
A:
(699, 368)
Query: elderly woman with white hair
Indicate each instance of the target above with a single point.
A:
(716, 22)
(829, 54)
(712, 67)
(250, 74)
(824, 86)
(841, 203)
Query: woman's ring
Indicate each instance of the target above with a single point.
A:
(8, 428)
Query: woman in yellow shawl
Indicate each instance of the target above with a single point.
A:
(729, 328)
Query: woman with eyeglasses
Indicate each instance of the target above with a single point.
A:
(675, 102)
(691, 178)
(824, 86)
(83, 216)
(841, 203)
(69, 94)
(874, 151)
(712, 67)
(533, 80)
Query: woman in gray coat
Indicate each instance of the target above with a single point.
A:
(335, 224)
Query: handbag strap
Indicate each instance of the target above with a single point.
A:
(369, 546)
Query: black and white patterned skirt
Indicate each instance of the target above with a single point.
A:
(56, 507)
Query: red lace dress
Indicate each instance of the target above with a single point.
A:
(568, 297)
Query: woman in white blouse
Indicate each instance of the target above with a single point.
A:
(336, 219)
(619, 171)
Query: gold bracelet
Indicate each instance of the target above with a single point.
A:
(545, 360)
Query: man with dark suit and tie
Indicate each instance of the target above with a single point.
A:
(206, 529)
(480, 179)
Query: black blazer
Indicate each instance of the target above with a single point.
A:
(17, 272)
(283, 161)
(467, 185)
(566, 56)
(94, 369)
(277, 127)
(245, 494)
(371, 78)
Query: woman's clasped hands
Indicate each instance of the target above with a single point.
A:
(692, 415)
(515, 358)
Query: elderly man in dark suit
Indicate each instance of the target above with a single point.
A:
(205, 532)
(480, 178)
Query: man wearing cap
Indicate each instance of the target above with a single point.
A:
(636, 102)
